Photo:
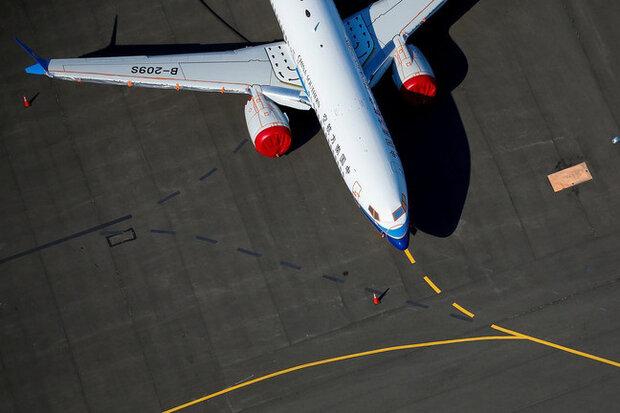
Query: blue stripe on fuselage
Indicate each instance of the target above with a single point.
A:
(301, 79)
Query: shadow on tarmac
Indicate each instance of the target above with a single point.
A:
(430, 137)
(114, 49)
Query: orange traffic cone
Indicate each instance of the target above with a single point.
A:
(375, 299)
(25, 102)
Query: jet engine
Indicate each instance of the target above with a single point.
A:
(268, 126)
(412, 73)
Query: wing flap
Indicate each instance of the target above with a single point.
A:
(235, 71)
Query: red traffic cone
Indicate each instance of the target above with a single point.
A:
(25, 102)
(375, 299)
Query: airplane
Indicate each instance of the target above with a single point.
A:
(326, 64)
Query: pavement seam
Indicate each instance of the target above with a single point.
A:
(557, 395)
(8, 384)
(493, 153)
(212, 356)
(119, 279)
(40, 259)
(572, 21)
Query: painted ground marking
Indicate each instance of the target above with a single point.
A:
(163, 231)
(248, 252)
(432, 284)
(206, 239)
(408, 254)
(290, 265)
(168, 197)
(463, 310)
(556, 346)
(208, 174)
(338, 359)
(65, 239)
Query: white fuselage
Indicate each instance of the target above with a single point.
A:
(352, 123)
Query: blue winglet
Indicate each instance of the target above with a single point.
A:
(41, 65)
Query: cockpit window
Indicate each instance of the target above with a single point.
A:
(402, 209)
(373, 213)
(398, 213)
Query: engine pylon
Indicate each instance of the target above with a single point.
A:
(411, 71)
(268, 126)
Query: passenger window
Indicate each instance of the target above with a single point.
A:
(398, 213)
(373, 213)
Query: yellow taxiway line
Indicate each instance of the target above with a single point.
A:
(432, 284)
(337, 359)
(463, 310)
(408, 254)
(557, 346)
(512, 335)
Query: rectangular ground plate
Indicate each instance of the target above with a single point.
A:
(570, 177)
(121, 237)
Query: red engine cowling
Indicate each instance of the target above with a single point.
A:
(411, 71)
(267, 125)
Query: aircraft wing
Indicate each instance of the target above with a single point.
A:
(371, 31)
(235, 71)
(375, 27)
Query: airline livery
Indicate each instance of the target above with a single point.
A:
(324, 63)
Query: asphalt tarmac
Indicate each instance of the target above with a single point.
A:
(149, 257)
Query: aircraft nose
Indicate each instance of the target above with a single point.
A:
(399, 243)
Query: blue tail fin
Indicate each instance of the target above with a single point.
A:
(41, 65)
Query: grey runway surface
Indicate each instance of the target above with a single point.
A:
(148, 257)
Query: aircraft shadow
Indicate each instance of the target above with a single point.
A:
(165, 49)
(430, 137)
(114, 49)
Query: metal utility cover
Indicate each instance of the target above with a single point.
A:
(570, 177)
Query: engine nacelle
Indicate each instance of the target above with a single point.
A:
(268, 126)
(411, 71)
